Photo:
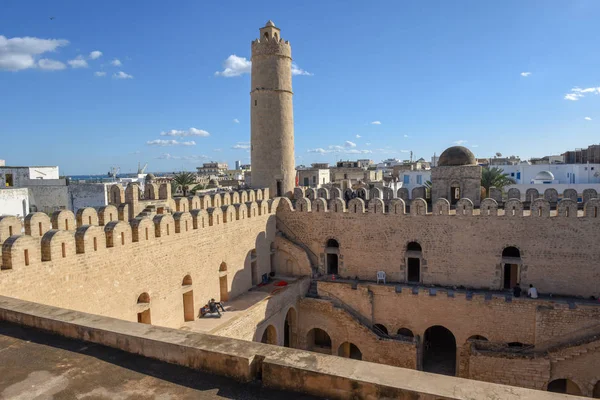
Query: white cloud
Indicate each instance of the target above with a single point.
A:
(189, 132)
(241, 145)
(122, 75)
(172, 142)
(116, 62)
(349, 144)
(376, 123)
(78, 62)
(525, 74)
(587, 118)
(50, 65)
(19, 53)
(367, 144)
(358, 136)
(235, 66)
(319, 151)
(461, 142)
(95, 54)
(167, 156)
(405, 136)
(404, 151)
(218, 150)
(577, 93)
(100, 73)
(474, 145)
(235, 120)
(296, 70)
(346, 149)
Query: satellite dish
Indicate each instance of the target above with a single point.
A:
(498, 154)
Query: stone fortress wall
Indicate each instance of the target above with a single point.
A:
(98, 263)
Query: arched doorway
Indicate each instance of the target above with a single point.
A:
(596, 392)
(511, 262)
(380, 329)
(269, 335)
(143, 315)
(223, 289)
(332, 251)
(349, 350)
(454, 193)
(188, 299)
(566, 386)
(318, 340)
(414, 256)
(439, 351)
(406, 332)
(289, 328)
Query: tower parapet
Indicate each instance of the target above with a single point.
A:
(272, 113)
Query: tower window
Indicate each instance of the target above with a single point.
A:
(266, 35)
(255, 102)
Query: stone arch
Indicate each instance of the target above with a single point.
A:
(570, 194)
(181, 204)
(531, 195)
(117, 195)
(64, 220)
(229, 213)
(253, 209)
(350, 350)
(259, 195)
(143, 304)
(332, 256)
(251, 195)
(57, 244)
(441, 207)
(397, 206)
(356, 206)
(150, 191)
(183, 222)
(418, 192)
(163, 225)
(107, 214)
(380, 329)
(513, 208)
(9, 225)
(323, 193)
(281, 204)
(388, 193)
(226, 199)
(477, 337)
(564, 385)
(299, 193)
(589, 194)
(413, 258)
(511, 267)
(376, 193)
(514, 193)
(188, 298)
(235, 197)
(567, 208)
(406, 332)
(215, 216)
(540, 208)
(118, 233)
(194, 203)
(318, 340)
(488, 208)
(403, 194)
(263, 207)
(290, 328)
(418, 207)
(142, 229)
(36, 224)
(464, 207)
(439, 353)
(20, 250)
(269, 336)
(319, 204)
(551, 195)
(310, 194)
(495, 194)
(363, 193)
(303, 204)
(337, 205)
(87, 216)
(89, 239)
(216, 200)
(376, 206)
(591, 209)
(223, 283)
(205, 202)
(596, 390)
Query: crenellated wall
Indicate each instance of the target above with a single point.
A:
(558, 248)
(104, 268)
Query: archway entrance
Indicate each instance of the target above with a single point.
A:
(596, 392)
(454, 194)
(143, 302)
(566, 386)
(318, 340)
(439, 351)
(332, 251)
(223, 289)
(289, 329)
(350, 350)
(269, 335)
(188, 299)
(413, 262)
(511, 260)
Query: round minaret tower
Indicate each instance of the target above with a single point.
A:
(272, 114)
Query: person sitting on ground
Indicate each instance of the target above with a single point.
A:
(517, 290)
(532, 292)
(218, 304)
(212, 306)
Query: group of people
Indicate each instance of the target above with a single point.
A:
(532, 292)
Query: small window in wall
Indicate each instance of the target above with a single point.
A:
(10, 231)
(64, 249)
(122, 238)
(255, 103)
(146, 233)
(95, 244)
(167, 229)
(419, 179)
(406, 179)
(90, 220)
(40, 227)
(66, 224)
(26, 254)
(9, 180)
(518, 175)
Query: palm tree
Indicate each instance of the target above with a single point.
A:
(184, 179)
(495, 177)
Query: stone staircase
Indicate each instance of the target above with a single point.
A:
(150, 211)
(562, 353)
(312, 290)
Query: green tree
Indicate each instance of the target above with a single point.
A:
(196, 188)
(495, 177)
(183, 180)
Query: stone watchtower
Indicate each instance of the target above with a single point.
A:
(272, 113)
(457, 176)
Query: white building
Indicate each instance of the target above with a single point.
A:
(14, 201)
(525, 173)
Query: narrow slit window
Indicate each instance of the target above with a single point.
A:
(146, 233)
(10, 231)
(90, 220)
(66, 224)
(64, 249)
(186, 226)
(122, 238)
(167, 229)
(95, 244)
(40, 227)
(26, 254)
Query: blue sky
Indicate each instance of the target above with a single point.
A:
(433, 73)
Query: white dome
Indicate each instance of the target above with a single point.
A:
(544, 176)
(270, 23)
